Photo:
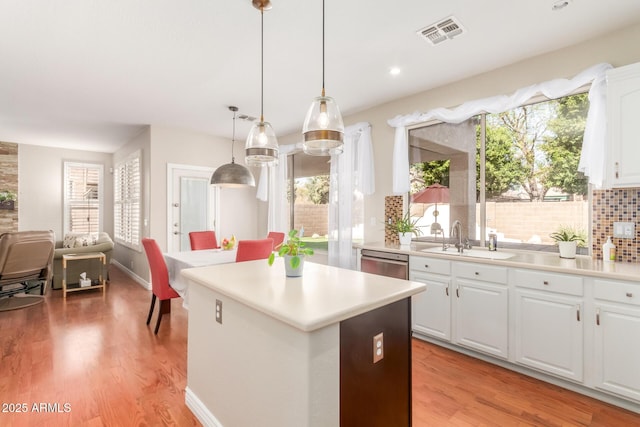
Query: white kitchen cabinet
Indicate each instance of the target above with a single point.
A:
(623, 110)
(431, 312)
(480, 308)
(548, 321)
(617, 338)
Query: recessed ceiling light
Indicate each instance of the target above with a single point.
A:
(394, 71)
(560, 4)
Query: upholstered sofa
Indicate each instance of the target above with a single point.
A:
(77, 244)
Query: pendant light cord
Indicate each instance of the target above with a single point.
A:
(322, 47)
(262, 64)
(233, 138)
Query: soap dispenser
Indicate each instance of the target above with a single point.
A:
(608, 251)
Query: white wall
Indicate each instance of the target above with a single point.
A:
(617, 48)
(40, 186)
(238, 214)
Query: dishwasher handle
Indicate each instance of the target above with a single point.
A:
(386, 261)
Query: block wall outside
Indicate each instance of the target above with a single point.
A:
(314, 219)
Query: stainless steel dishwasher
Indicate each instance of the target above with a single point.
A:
(390, 264)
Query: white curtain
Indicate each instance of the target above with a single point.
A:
(272, 187)
(593, 148)
(352, 177)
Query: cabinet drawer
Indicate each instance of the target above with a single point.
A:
(485, 273)
(544, 281)
(627, 293)
(430, 265)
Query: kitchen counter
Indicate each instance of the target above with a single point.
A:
(322, 296)
(268, 350)
(582, 265)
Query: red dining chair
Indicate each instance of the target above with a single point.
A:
(203, 240)
(249, 250)
(277, 237)
(159, 281)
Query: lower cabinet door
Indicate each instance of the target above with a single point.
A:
(549, 333)
(617, 349)
(432, 308)
(482, 317)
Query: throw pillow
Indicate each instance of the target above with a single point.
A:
(69, 240)
(86, 240)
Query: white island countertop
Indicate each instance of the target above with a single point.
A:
(324, 295)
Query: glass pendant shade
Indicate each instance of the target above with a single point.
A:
(262, 145)
(261, 148)
(323, 129)
(232, 175)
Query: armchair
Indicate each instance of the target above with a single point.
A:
(25, 261)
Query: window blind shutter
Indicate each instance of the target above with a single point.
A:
(127, 185)
(82, 196)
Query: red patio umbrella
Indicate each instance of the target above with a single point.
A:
(435, 193)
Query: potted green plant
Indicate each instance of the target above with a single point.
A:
(568, 239)
(406, 228)
(293, 251)
(7, 200)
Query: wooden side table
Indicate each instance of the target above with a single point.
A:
(76, 286)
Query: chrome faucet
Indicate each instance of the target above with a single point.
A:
(456, 231)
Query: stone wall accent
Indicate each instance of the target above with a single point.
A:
(393, 209)
(9, 182)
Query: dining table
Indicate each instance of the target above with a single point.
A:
(177, 261)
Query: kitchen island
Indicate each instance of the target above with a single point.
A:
(268, 350)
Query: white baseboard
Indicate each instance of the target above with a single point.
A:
(133, 275)
(200, 410)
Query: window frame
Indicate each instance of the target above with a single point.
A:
(68, 202)
(128, 200)
(482, 177)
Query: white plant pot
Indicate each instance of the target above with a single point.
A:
(290, 271)
(405, 238)
(567, 249)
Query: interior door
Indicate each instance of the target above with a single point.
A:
(193, 204)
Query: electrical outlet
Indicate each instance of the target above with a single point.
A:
(378, 348)
(219, 311)
(624, 230)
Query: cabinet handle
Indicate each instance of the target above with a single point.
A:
(457, 291)
(446, 290)
(617, 174)
(629, 294)
(546, 282)
(598, 317)
(477, 273)
(426, 266)
(578, 314)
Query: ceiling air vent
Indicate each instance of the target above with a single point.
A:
(440, 31)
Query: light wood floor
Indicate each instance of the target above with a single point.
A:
(97, 357)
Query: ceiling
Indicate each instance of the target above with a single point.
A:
(90, 74)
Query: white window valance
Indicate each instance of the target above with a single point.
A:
(593, 145)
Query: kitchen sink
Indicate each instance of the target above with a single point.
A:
(471, 253)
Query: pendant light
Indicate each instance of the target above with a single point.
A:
(323, 128)
(262, 146)
(233, 175)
